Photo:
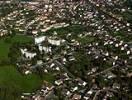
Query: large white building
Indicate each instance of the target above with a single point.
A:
(39, 40)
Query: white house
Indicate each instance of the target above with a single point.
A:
(39, 40)
(46, 49)
(28, 54)
(54, 42)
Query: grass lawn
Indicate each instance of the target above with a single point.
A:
(49, 77)
(4, 49)
(74, 29)
(21, 39)
(14, 83)
(86, 40)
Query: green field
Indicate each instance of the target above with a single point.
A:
(9, 76)
(4, 49)
(12, 83)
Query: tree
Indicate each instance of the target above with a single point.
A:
(129, 3)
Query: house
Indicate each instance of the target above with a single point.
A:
(81, 82)
(54, 42)
(86, 97)
(75, 89)
(128, 52)
(76, 97)
(39, 62)
(27, 72)
(68, 93)
(58, 82)
(45, 49)
(28, 54)
(90, 92)
(110, 75)
(39, 40)
(34, 32)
